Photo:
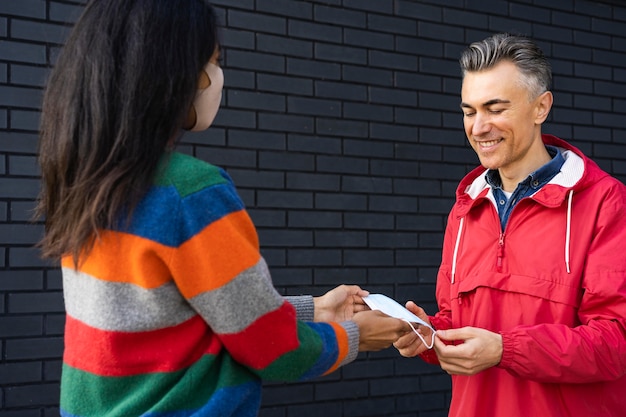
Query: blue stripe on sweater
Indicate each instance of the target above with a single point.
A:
(329, 345)
(152, 218)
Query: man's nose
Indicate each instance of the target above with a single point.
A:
(481, 124)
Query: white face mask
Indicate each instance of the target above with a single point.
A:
(208, 99)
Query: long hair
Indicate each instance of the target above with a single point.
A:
(520, 50)
(117, 96)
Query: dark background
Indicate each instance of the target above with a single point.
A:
(342, 129)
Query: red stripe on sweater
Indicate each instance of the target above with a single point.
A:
(110, 353)
(266, 339)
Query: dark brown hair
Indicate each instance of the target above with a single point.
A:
(116, 97)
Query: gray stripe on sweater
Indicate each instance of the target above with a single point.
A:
(234, 306)
(117, 306)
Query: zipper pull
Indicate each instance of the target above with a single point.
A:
(500, 251)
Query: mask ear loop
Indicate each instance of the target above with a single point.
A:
(432, 341)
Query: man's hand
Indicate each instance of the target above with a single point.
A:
(340, 303)
(377, 330)
(480, 349)
(410, 344)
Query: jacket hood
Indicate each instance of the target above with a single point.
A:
(578, 172)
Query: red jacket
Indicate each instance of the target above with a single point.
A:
(553, 285)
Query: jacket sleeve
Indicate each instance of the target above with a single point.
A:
(222, 274)
(595, 349)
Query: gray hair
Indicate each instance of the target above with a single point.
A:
(521, 51)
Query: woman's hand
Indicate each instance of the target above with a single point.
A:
(340, 304)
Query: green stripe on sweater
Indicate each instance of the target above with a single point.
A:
(158, 392)
(187, 173)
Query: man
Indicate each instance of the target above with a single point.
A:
(532, 284)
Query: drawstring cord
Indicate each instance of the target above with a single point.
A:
(568, 230)
(456, 248)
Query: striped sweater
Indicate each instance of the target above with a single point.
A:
(174, 314)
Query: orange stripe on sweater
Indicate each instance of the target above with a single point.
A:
(342, 344)
(216, 255)
(209, 260)
(121, 257)
(108, 353)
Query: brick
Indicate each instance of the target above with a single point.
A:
(25, 8)
(262, 61)
(37, 302)
(314, 106)
(66, 13)
(3, 27)
(235, 118)
(19, 96)
(20, 372)
(391, 24)
(257, 179)
(417, 117)
(369, 39)
(38, 31)
(505, 24)
(343, 238)
(21, 326)
(530, 12)
(314, 31)
(286, 123)
(55, 324)
(22, 52)
(257, 22)
(314, 219)
(337, 127)
(369, 221)
(256, 100)
(336, 53)
(286, 238)
(314, 257)
(317, 69)
(366, 75)
(227, 157)
(234, 38)
(369, 185)
(268, 218)
(338, 16)
(368, 148)
(340, 90)
(28, 75)
(251, 139)
(290, 8)
(34, 348)
(461, 18)
(393, 132)
(314, 144)
(399, 204)
(25, 120)
(286, 161)
(284, 46)
(349, 202)
(305, 181)
(315, 409)
(393, 96)
(3, 125)
(284, 199)
(367, 111)
(285, 84)
(32, 395)
(19, 188)
(344, 165)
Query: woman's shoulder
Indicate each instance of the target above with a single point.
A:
(189, 174)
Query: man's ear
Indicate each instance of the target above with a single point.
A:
(543, 106)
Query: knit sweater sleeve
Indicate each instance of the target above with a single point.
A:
(305, 308)
(219, 270)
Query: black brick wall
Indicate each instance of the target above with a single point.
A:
(341, 127)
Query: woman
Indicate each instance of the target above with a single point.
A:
(170, 307)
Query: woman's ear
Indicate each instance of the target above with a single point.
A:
(543, 107)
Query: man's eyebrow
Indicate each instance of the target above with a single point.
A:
(487, 103)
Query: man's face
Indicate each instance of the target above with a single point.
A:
(502, 124)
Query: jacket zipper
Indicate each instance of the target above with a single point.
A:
(500, 252)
